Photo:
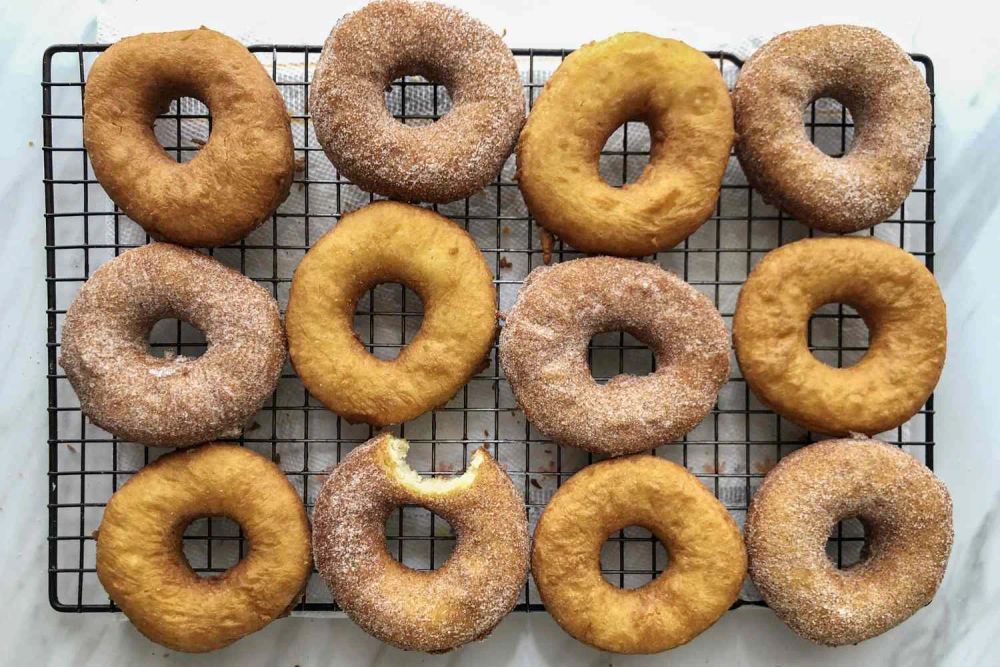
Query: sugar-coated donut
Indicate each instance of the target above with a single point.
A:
(897, 297)
(391, 242)
(543, 353)
(141, 564)
(172, 401)
(434, 611)
(237, 178)
(906, 512)
(679, 93)
(889, 102)
(707, 559)
(438, 162)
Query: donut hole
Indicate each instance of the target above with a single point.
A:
(386, 319)
(418, 538)
(625, 154)
(416, 100)
(838, 336)
(632, 557)
(213, 545)
(175, 339)
(829, 126)
(614, 353)
(183, 128)
(845, 545)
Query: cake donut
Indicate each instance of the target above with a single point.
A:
(707, 559)
(391, 242)
(900, 302)
(438, 162)
(141, 564)
(906, 512)
(674, 89)
(433, 611)
(888, 99)
(172, 401)
(543, 353)
(237, 178)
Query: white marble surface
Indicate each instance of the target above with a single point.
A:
(956, 629)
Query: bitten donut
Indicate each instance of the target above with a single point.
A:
(433, 611)
(906, 512)
(707, 559)
(171, 401)
(237, 178)
(889, 102)
(674, 89)
(142, 566)
(901, 304)
(391, 242)
(438, 162)
(543, 353)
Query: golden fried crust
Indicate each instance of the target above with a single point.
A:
(142, 567)
(901, 304)
(434, 611)
(889, 102)
(235, 181)
(907, 516)
(390, 242)
(707, 559)
(679, 93)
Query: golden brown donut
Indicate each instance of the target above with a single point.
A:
(679, 93)
(442, 161)
(543, 353)
(234, 182)
(906, 512)
(142, 567)
(889, 102)
(171, 401)
(707, 560)
(897, 297)
(390, 242)
(434, 611)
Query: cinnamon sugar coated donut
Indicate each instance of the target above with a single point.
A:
(438, 162)
(171, 401)
(907, 515)
(707, 559)
(237, 178)
(435, 611)
(141, 563)
(679, 93)
(543, 353)
(889, 102)
(893, 292)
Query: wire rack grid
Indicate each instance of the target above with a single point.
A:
(730, 451)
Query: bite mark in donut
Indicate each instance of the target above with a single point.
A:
(433, 611)
(907, 515)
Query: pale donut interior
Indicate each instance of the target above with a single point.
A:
(411, 479)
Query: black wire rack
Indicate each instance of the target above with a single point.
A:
(730, 451)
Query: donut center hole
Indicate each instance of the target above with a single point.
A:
(632, 557)
(845, 546)
(625, 154)
(616, 353)
(416, 101)
(212, 545)
(838, 335)
(183, 128)
(418, 538)
(175, 340)
(386, 318)
(829, 126)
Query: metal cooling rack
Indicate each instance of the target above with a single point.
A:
(730, 451)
